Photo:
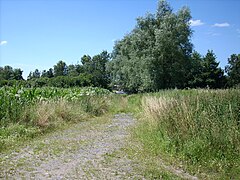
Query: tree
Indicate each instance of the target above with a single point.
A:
(7, 73)
(50, 73)
(173, 47)
(156, 54)
(18, 74)
(87, 64)
(79, 68)
(213, 76)
(1, 73)
(44, 73)
(233, 69)
(36, 74)
(60, 69)
(100, 74)
(72, 70)
(30, 76)
(163, 9)
(97, 67)
(195, 79)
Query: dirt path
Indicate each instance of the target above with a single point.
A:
(85, 151)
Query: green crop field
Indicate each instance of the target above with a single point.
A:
(27, 112)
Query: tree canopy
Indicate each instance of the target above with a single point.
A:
(156, 54)
(233, 70)
(91, 72)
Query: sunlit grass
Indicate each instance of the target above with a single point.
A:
(196, 129)
(26, 113)
(199, 127)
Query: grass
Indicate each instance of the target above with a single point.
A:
(197, 129)
(28, 113)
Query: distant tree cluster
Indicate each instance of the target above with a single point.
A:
(91, 72)
(8, 73)
(157, 54)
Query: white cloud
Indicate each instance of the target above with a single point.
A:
(221, 25)
(213, 34)
(196, 22)
(3, 42)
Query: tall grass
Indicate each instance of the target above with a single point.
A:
(202, 127)
(199, 127)
(28, 112)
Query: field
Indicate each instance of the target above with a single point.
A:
(29, 112)
(196, 130)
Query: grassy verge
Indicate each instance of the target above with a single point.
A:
(197, 130)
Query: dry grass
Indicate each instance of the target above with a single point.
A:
(53, 113)
(48, 115)
(155, 108)
(44, 112)
(200, 127)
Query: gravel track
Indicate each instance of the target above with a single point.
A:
(87, 150)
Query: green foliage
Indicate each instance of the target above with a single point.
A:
(200, 127)
(205, 72)
(61, 81)
(26, 112)
(35, 74)
(13, 100)
(233, 70)
(212, 75)
(92, 72)
(60, 69)
(8, 73)
(156, 53)
(96, 66)
(195, 72)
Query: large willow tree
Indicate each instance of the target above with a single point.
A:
(156, 54)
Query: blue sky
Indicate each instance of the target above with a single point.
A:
(39, 33)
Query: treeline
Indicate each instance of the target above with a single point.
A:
(156, 54)
(91, 72)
